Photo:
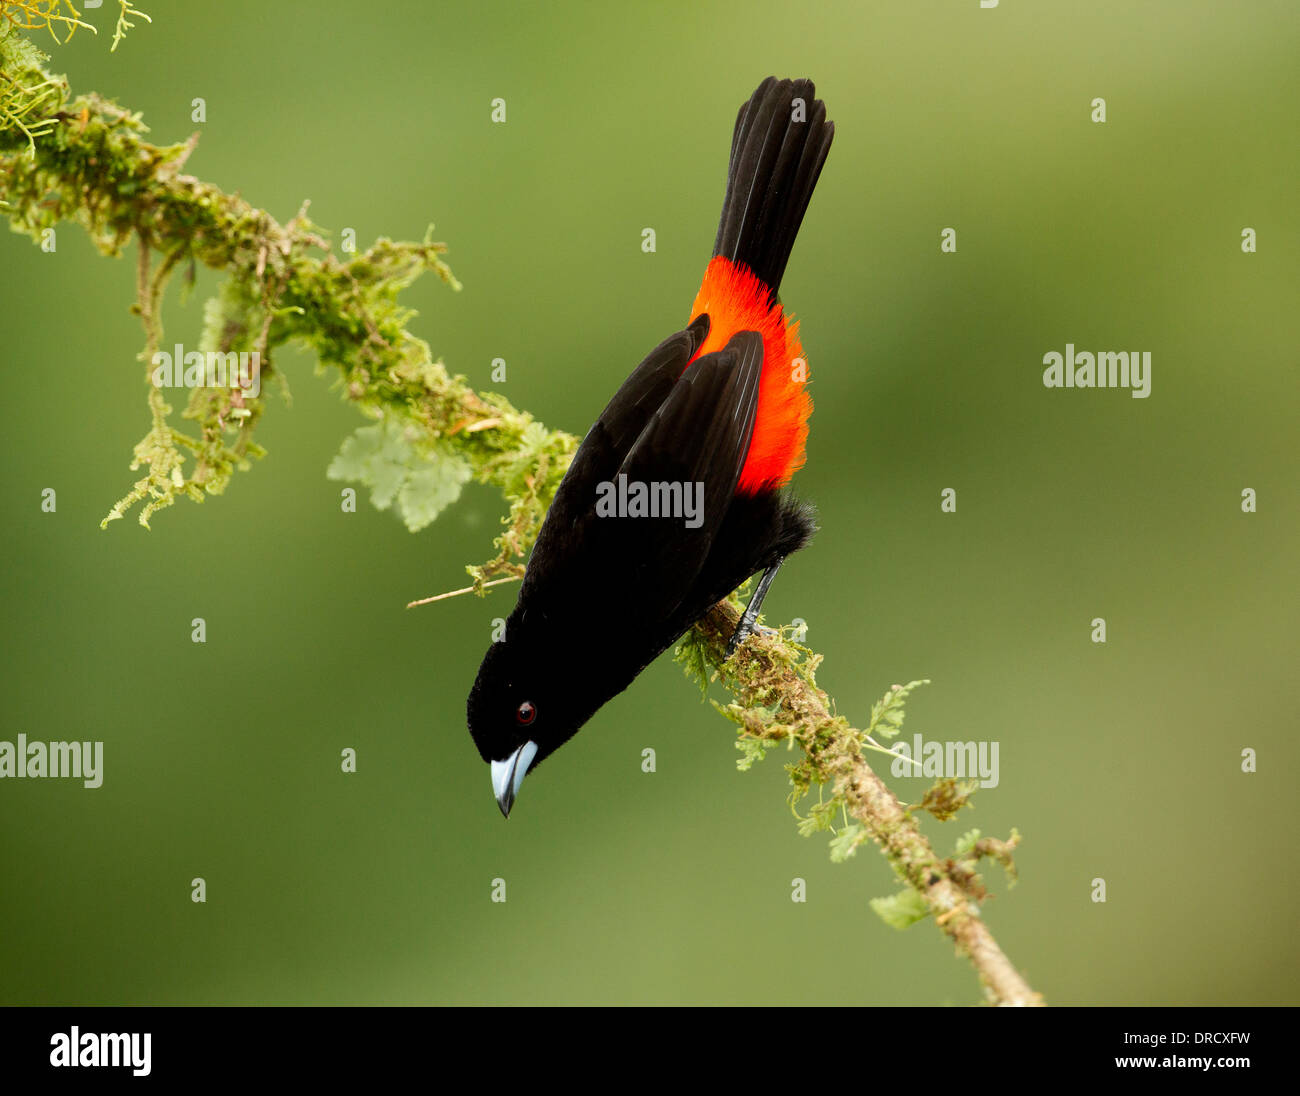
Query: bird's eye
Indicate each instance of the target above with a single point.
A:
(525, 713)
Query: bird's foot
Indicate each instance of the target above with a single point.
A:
(749, 620)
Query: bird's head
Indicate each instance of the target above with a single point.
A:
(520, 711)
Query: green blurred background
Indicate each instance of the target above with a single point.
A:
(1119, 761)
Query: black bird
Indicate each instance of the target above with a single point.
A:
(676, 494)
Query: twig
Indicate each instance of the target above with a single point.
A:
(465, 590)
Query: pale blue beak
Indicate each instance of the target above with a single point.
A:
(508, 775)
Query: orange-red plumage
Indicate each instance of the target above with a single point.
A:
(737, 300)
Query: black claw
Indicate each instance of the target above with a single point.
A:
(746, 626)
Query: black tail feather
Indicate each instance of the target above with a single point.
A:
(775, 162)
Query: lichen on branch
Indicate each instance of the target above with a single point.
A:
(775, 698)
(86, 160)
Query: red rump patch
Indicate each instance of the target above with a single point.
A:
(736, 300)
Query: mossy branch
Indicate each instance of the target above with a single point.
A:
(86, 160)
(776, 698)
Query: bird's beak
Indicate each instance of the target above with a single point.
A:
(509, 774)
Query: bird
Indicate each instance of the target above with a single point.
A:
(679, 491)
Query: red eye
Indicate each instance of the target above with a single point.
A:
(525, 713)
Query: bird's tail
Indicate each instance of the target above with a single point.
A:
(780, 143)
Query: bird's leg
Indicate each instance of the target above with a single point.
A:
(746, 624)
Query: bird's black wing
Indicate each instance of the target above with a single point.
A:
(643, 567)
(604, 448)
(698, 438)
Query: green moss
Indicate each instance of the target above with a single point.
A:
(86, 160)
